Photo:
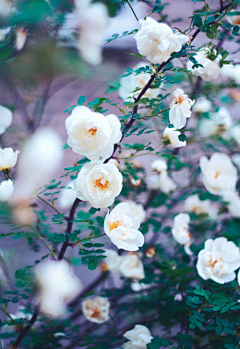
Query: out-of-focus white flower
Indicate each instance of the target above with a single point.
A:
(8, 158)
(166, 184)
(235, 133)
(236, 160)
(235, 20)
(132, 84)
(111, 262)
(21, 38)
(138, 210)
(131, 267)
(139, 286)
(121, 226)
(202, 105)
(6, 6)
(4, 32)
(21, 313)
(159, 165)
(180, 231)
(40, 159)
(231, 71)
(218, 260)
(233, 200)
(58, 286)
(209, 70)
(96, 309)
(197, 206)
(173, 136)
(138, 337)
(219, 173)
(68, 195)
(6, 118)
(180, 109)
(156, 41)
(99, 183)
(22, 211)
(93, 23)
(6, 190)
(92, 134)
(219, 123)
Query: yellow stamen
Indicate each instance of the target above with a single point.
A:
(100, 185)
(114, 225)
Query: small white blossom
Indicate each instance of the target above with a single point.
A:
(21, 38)
(8, 158)
(4, 32)
(197, 206)
(138, 210)
(99, 183)
(180, 109)
(233, 19)
(132, 84)
(96, 309)
(159, 165)
(6, 190)
(219, 123)
(6, 7)
(156, 41)
(233, 200)
(166, 184)
(111, 262)
(92, 134)
(180, 231)
(218, 260)
(209, 70)
(231, 71)
(173, 136)
(138, 337)
(235, 133)
(131, 267)
(68, 195)
(58, 286)
(219, 173)
(236, 160)
(121, 226)
(202, 105)
(6, 118)
(139, 286)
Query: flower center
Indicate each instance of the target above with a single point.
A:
(114, 225)
(237, 20)
(102, 183)
(95, 313)
(180, 100)
(217, 174)
(212, 262)
(92, 131)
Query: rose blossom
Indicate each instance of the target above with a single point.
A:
(180, 231)
(138, 210)
(159, 165)
(235, 133)
(6, 190)
(219, 173)
(209, 70)
(58, 286)
(202, 105)
(131, 267)
(132, 84)
(218, 260)
(92, 134)
(233, 200)
(6, 117)
(231, 71)
(138, 337)
(156, 41)
(219, 123)
(96, 309)
(8, 158)
(173, 136)
(180, 109)
(121, 227)
(111, 262)
(197, 206)
(68, 195)
(98, 183)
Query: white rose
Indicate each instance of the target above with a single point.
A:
(197, 206)
(138, 210)
(121, 227)
(180, 109)
(233, 200)
(131, 267)
(58, 286)
(180, 230)
(231, 71)
(68, 195)
(219, 123)
(6, 190)
(6, 118)
(172, 135)
(93, 24)
(98, 183)
(159, 165)
(112, 261)
(166, 184)
(96, 309)
(236, 159)
(156, 41)
(235, 133)
(202, 105)
(138, 337)
(132, 84)
(8, 158)
(92, 134)
(219, 173)
(209, 70)
(218, 260)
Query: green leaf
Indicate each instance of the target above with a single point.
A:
(197, 21)
(81, 100)
(92, 264)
